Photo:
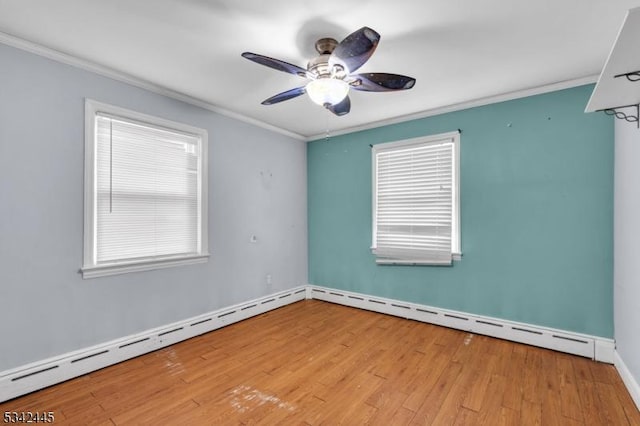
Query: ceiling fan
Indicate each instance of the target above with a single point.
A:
(331, 75)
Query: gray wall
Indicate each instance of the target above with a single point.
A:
(257, 186)
(626, 268)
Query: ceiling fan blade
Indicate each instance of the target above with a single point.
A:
(355, 49)
(275, 64)
(381, 82)
(341, 108)
(289, 94)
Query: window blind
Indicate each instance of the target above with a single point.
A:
(413, 203)
(147, 191)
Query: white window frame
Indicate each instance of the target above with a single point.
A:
(454, 138)
(91, 268)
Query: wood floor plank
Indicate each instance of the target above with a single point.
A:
(79, 405)
(490, 411)
(582, 368)
(476, 395)
(466, 417)
(386, 397)
(452, 404)
(507, 417)
(402, 416)
(569, 398)
(502, 350)
(604, 373)
(590, 403)
(423, 373)
(432, 404)
(424, 382)
(93, 414)
(514, 372)
(300, 400)
(533, 387)
(612, 407)
(551, 410)
(530, 413)
(357, 392)
(633, 414)
(316, 363)
(428, 337)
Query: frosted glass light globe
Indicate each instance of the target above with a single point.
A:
(327, 91)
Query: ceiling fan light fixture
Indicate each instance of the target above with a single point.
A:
(331, 74)
(327, 90)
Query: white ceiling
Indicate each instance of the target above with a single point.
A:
(458, 51)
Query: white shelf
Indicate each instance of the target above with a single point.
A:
(614, 90)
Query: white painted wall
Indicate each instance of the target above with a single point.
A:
(627, 245)
(257, 186)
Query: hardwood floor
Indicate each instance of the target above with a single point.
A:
(318, 363)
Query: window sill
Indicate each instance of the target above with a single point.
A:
(138, 266)
(414, 262)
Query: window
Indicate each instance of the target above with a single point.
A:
(145, 192)
(416, 206)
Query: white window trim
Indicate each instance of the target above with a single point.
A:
(89, 268)
(456, 247)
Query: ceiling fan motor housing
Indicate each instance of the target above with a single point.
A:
(319, 68)
(326, 45)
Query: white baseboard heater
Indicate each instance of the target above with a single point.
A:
(28, 378)
(38, 375)
(597, 348)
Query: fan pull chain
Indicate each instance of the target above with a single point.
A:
(326, 126)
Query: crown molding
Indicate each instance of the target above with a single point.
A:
(508, 96)
(104, 71)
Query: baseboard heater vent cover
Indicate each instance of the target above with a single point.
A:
(564, 341)
(32, 377)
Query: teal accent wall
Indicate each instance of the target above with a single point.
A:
(536, 214)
